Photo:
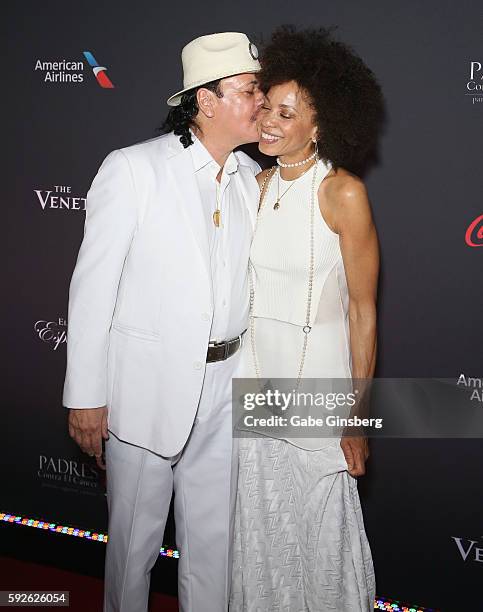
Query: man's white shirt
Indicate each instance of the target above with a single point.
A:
(229, 243)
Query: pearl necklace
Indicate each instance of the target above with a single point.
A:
(300, 163)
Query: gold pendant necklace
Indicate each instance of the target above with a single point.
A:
(217, 213)
(276, 206)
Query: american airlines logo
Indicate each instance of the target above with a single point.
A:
(71, 71)
(99, 71)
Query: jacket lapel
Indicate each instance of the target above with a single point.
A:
(185, 186)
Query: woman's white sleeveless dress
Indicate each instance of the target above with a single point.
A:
(300, 543)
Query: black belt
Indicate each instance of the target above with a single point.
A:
(219, 351)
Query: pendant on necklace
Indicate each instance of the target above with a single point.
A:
(276, 206)
(216, 218)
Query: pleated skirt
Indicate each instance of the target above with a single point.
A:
(300, 543)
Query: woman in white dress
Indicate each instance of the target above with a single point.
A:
(300, 543)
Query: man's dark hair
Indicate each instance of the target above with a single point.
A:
(181, 118)
(344, 93)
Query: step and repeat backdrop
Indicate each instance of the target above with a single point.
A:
(84, 79)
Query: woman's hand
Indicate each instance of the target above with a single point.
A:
(356, 453)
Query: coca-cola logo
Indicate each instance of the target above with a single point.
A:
(474, 233)
(52, 332)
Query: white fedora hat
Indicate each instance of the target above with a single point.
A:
(215, 56)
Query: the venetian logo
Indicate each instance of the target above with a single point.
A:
(469, 549)
(60, 198)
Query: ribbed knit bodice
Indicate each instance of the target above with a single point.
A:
(280, 255)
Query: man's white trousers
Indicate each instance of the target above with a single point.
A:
(139, 489)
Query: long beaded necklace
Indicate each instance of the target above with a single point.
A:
(306, 328)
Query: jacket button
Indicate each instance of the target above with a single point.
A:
(205, 316)
(197, 365)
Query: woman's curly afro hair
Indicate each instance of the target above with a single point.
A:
(345, 95)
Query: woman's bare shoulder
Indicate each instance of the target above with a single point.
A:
(342, 184)
(342, 198)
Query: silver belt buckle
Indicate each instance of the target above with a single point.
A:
(223, 344)
(226, 344)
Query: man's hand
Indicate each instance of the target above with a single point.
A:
(87, 426)
(356, 452)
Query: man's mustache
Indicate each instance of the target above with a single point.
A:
(256, 114)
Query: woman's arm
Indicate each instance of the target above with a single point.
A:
(352, 220)
(360, 254)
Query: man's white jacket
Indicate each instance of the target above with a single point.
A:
(137, 326)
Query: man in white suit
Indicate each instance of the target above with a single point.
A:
(158, 304)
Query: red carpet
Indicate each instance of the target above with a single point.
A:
(85, 592)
